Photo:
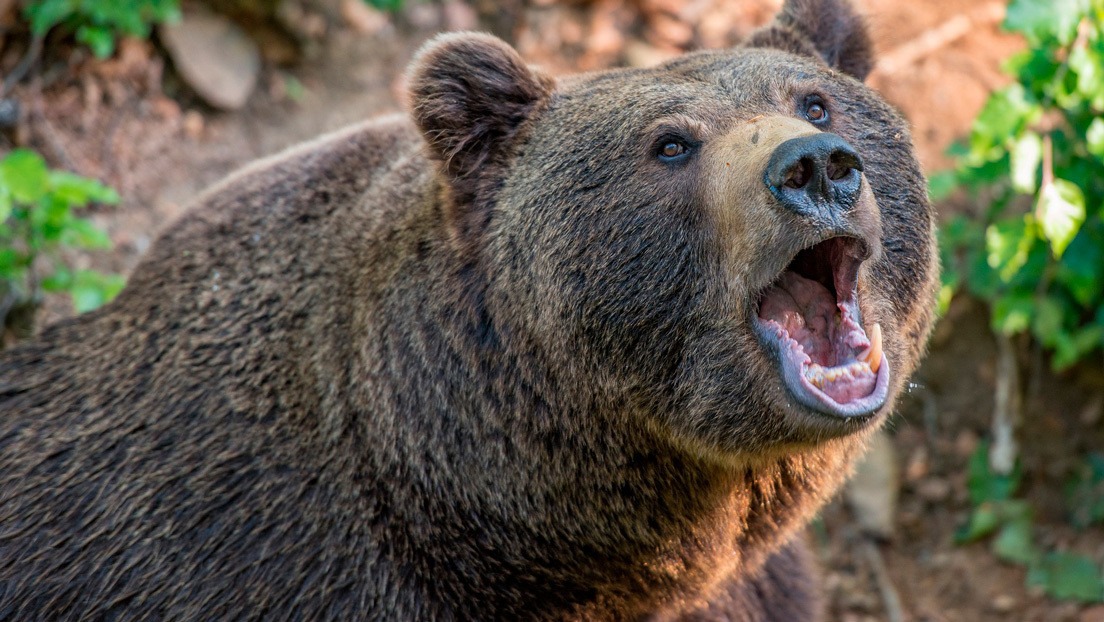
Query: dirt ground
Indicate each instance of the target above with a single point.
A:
(132, 122)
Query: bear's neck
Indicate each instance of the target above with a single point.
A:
(522, 494)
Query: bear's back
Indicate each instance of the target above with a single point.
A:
(186, 440)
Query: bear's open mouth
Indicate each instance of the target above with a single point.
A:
(810, 318)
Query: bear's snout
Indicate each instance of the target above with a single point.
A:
(817, 176)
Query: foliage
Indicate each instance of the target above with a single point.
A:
(99, 23)
(1035, 157)
(998, 513)
(386, 5)
(37, 224)
(1085, 492)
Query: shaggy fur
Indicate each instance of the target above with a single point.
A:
(492, 364)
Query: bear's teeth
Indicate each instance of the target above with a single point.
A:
(873, 355)
(819, 376)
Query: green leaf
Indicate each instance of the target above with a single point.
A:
(982, 281)
(77, 191)
(1008, 244)
(10, 265)
(943, 300)
(1061, 211)
(1086, 340)
(1040, 20)
(1068, 576)
(1071, 347)
(1004, 116)
(1036, 69)
(1081, 269)
(92, 289)
(46, 14)
(1085, 61)
(1013, 543)
(386, 5)
(984, 520)
(23, 172)
(294, 88)
(1026, 154)
(5, 203)
(985, 485)
(1048, 320)
(60, 281)
(81, 233)
(100, 39)
(1086, 492)
(941, 184)
(1013, 312)
(1094, 138)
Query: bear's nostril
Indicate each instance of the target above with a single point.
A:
(799, 174)
(840, 164)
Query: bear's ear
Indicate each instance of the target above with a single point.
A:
(829, 29)
(469, 95)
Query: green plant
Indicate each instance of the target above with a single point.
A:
(37, 225)
(386, 5)
(998, 513)
(1085, 492)
(1035, 158)
(99, 23)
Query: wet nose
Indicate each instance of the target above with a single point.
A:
(815, 175)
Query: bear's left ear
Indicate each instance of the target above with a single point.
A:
(828, 29)
(469, 94)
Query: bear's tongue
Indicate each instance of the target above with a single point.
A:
(834, 353)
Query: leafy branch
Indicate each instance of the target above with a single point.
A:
(37, 224)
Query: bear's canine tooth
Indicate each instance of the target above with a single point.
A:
(873, 356)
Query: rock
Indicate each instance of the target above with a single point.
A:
(214, 57)
(872, 492)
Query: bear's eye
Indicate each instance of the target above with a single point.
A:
(815, 111)
(672, 150)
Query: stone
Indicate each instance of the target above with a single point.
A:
(872, 492)
(219, 61)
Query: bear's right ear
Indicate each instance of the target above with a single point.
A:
(828, 29)
(470, 94)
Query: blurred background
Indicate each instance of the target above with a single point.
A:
(983, 500)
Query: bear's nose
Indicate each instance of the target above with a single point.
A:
(815, 175)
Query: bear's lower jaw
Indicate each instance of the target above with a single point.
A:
(851, 394)
(809, 320)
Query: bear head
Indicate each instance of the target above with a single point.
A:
(735, 245)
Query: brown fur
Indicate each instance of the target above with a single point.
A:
(492, 364)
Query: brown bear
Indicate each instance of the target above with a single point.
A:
(584, 348)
